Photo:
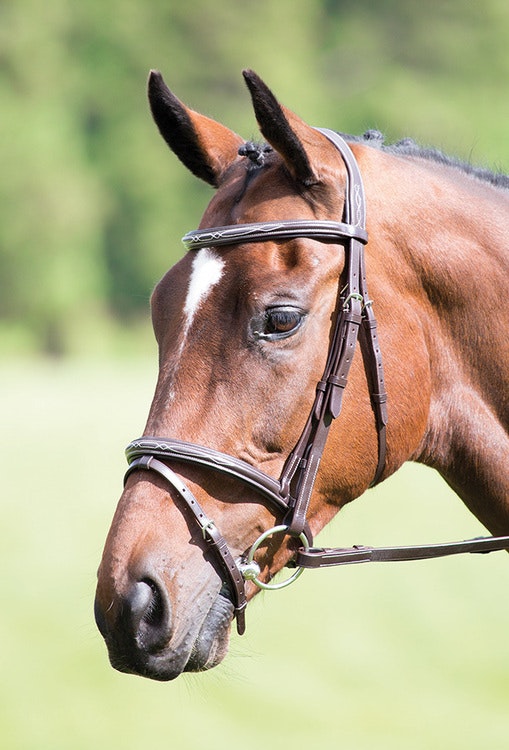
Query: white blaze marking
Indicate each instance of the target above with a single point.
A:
(207, 270)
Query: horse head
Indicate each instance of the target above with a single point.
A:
(244, 331)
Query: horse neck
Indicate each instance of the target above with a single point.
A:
(458, 249)
(449, 233)
(447, 247)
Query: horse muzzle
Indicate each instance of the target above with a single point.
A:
(142, 638)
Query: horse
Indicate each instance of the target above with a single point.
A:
(253, 441)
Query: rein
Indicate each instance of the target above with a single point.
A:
(289, 496)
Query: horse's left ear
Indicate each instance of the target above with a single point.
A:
(290, 136)
(206, 147)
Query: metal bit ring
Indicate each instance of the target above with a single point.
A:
(250, 569)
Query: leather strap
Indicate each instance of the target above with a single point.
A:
(199, 455)
(353, 309)
(179, 450)
(210, 532)
(324, 231)
(324, 557)
(355, 210)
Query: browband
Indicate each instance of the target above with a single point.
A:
(324, 231)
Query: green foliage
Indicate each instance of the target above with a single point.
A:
(92, 206)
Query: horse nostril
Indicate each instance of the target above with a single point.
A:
(148, 610)
(138, 601)
(155, 609)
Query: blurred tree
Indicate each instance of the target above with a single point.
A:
(89, 198)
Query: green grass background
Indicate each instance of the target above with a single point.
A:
(411, 656)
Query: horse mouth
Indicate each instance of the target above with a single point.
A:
(204, 647)
(211, 644)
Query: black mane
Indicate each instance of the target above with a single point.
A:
(257, 152)
(408, 147)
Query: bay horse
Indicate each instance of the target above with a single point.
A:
(253, 442)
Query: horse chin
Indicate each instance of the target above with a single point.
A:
(196, 653)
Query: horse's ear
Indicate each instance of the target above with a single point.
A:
(292, 138)
(203, 145)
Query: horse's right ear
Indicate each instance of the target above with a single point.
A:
(206, 147)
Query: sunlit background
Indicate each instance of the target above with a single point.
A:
(92, 206)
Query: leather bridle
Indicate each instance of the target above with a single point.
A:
(289, 497)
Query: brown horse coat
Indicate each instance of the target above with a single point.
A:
(437, 267)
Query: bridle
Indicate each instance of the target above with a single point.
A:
(289, 496)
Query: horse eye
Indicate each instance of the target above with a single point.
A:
(282, 321)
